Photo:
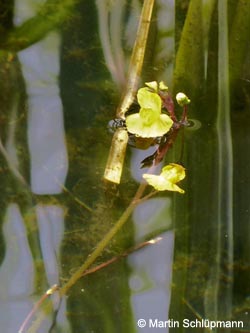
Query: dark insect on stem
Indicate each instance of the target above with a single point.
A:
(116, 123)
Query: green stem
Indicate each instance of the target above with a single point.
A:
(92, 257)
(104, 242)
(137, 58)
(113, 170)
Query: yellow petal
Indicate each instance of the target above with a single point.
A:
(170, 175)
(165, 122)
(149, 100)
(146, 125)
(173, 172)
(148, 116)
(160, 126)
(136, 126)
(134, 123)
(175, 188)
(158, 182)
(161, 184)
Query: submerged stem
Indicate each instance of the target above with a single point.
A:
(104, 242)
(91, 258)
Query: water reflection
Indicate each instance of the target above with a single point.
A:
(51, 228)
(16, 272)
(49, 163)
(31, 260)
(151, 279)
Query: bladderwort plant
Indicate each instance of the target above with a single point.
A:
(170, 175)
(192, 58)
(156, 119)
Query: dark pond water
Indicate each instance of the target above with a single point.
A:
(64, 67)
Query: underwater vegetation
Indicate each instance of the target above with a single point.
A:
(172, 79)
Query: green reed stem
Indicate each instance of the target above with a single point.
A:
(118, 147)
(137, 57)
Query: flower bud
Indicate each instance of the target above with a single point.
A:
(162, 86)
(182, 99)
(152, 85)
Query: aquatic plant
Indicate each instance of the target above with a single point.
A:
(149, 122)
(209, 203)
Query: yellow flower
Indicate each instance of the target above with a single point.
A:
(170, 175)
(149, 122)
